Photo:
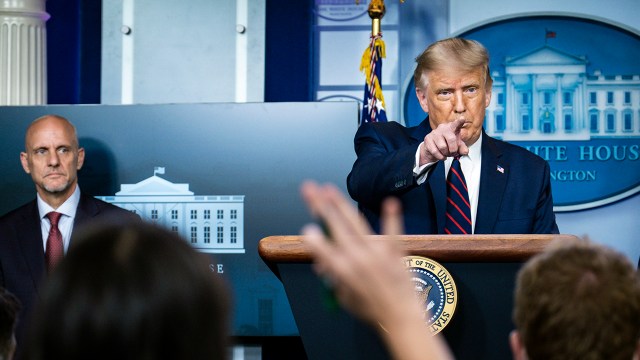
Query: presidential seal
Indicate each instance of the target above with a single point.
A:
(435, 289)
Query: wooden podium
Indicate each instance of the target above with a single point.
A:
(483, 267)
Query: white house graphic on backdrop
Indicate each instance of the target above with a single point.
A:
(211, 223)
(546, 94)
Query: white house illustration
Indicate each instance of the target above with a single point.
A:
(211, 223)
(547, 94)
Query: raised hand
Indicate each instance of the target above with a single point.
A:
(367, 273)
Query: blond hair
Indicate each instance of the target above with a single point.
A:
(457, 53)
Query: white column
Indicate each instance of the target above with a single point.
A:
(535, 105)
(23, 52)
(559, 106)
(511, 103)
(250, 40)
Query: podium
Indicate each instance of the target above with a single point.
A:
(483, 267)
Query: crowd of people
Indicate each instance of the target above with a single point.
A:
(82, 278)
(132, 290)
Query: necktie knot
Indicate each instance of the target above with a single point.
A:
(54, 218)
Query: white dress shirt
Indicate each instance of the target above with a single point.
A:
(65, 224)
(470, 163)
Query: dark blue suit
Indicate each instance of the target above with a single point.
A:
(516, 200)
(22, 267)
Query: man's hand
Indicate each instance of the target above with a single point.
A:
(442, 142)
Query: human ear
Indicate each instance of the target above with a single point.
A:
(80, 158)
(517, 347)
(487, 101)
(421, 94)
(24, 160)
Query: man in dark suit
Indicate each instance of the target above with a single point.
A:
(52, 157)
(508, 187)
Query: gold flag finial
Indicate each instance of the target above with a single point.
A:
(376, 12)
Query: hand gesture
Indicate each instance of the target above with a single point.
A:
(442, 142)
(367, 274)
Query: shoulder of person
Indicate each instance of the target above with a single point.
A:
(107, 209)
(389, 128)
(516, 151)
(19, 212)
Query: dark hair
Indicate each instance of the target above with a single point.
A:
(578, 301)
(133, 291)
(9, 309)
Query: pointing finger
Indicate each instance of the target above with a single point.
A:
(457, 125)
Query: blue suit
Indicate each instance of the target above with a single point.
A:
(515, 200)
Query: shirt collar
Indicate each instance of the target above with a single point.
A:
(68, 208)
(475, 150)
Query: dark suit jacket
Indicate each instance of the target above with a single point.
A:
(22, 265)
(514, 201)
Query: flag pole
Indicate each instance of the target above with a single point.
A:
(373, 109)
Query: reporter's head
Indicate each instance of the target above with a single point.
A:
(131, 291)
(577, 300)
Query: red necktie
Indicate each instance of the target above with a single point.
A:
(55, 246)
(458, 209)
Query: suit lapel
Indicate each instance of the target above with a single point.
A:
(86, 210)
(493, 180)
(30, 240)
(436, 179)
(437, 183)
(419, 132)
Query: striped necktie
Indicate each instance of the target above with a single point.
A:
(458, 219)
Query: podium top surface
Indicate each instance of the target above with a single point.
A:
(446, 248)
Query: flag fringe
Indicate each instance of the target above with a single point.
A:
(376, 45)
(378, 93)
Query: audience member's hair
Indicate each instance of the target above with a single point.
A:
(133, 291)
(9, 309)
(578, 301)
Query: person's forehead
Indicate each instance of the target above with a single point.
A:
(455, 76)
(51, 129)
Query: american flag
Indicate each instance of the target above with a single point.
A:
(373, 108)
(549, 34)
